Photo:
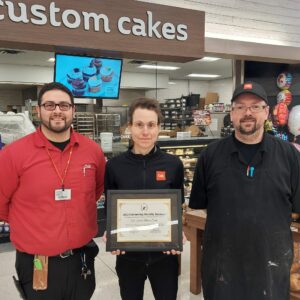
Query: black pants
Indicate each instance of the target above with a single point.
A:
(162, 274)
(64, 277)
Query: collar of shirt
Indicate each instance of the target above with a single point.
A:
(42, 142)
(263, 147)
(155, 151)
(258, 157)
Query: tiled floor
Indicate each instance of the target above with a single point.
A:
(106, 279)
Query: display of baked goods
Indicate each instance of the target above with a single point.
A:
(78, 87)
(97, 63)
(295, 216)
(75, 73)
(89, 72)
(296, 247)
(188, 174)
(189, 151)
(106, 74)
(295, 269)
(179, 152)
(94, 84)
(295, 282)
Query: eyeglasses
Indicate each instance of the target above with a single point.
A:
(141, 125)
(50, 106)
(255, 108)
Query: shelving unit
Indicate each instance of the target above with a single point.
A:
(84, 123)
(176, 114)
(108, 123)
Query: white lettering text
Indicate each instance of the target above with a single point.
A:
(97, 18)
(121, 21)
(181, 28)
(53, 11)
(11, 12)
(38, 11)
(65, 18)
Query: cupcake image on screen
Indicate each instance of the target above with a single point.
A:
(74, 74)
(78, 87)
(89, 72)
(106, 74)
(94, 84)
(97, 63)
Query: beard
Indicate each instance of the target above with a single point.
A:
(57, 123)
(248, 130)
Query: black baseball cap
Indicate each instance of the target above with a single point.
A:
(250, 87)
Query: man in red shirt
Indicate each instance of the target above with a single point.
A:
(50, 181)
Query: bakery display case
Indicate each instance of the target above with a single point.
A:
(188, 151)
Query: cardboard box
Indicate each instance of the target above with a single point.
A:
(211, 98)
(201, 103)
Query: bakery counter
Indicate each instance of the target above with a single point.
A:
(185, 143)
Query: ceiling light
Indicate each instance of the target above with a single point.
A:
(208, 59)
(171, 82)
(156, 67)
(203, 75)
(52, 59)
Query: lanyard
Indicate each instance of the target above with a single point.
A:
(62, 179)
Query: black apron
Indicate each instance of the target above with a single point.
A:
(247, 249)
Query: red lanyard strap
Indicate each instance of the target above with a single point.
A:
(62, 179)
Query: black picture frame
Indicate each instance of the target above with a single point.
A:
(114, 200)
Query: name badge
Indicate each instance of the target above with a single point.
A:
(61, 194)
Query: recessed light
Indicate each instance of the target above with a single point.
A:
(52, 59)
(208, 59)
(203, 75)
(157, 67)
(171, 82)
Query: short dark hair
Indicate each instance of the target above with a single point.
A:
(145, 103)
(54, 86)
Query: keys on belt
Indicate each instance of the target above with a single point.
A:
(85, 271)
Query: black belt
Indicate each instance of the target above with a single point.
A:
(68, 253)
(65, 254)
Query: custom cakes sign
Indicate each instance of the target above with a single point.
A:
(130, 28)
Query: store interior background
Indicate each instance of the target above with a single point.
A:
(23, 72)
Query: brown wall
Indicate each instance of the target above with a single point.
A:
(63, 39)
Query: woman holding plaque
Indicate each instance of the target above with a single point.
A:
(144, 167)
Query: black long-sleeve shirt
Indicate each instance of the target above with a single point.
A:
(130, 171)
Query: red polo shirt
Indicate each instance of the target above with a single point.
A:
(28, 180)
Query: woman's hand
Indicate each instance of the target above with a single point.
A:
(117, 252)
(174, 252)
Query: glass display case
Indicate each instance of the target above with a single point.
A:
(188, 151)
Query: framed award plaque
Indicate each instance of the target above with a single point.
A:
(144, 220)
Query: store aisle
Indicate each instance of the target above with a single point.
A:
(107, 281)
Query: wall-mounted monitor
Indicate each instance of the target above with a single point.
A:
(89, 77)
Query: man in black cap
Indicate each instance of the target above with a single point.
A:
(249, 184)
